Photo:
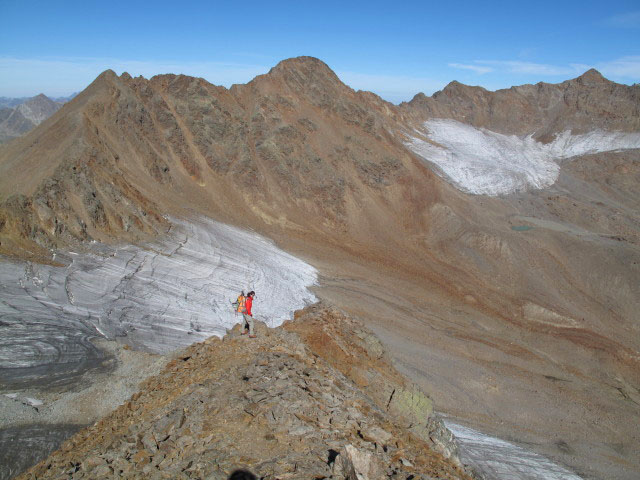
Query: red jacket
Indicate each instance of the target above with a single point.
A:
(247, 304)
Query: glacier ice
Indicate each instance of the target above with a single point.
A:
(157, 298)
(483, 162)
(496, 458)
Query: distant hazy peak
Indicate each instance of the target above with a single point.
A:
(38, 108)
(39, 100)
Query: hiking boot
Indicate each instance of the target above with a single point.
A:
(252, 336)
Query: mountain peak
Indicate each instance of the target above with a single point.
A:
(40, 101)
(457, 86)
(304, 70)
(302, 63)
(302, 75)
(591, 76)
(106, 75)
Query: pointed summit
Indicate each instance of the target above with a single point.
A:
(456, 88)
(305, 76)
(300, 72)
(591, 77)
(107, 74)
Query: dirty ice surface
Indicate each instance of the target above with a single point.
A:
(500, 460)
(483, 162)
(158, 298)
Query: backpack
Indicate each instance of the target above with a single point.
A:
(241, 306)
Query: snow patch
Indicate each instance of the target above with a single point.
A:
(495, 458)
(34, 402)
(483, 162)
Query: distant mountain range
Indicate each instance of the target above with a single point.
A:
(11, 102)
(19, 115)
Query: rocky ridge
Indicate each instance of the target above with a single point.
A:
(296, 135)
(587, 102)
(276, 405)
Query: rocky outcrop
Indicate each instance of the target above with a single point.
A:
(353, 350)
(275, 405)
(583, 104)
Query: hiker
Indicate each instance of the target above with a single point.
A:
(248, 316)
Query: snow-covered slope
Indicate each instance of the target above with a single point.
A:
(160, 298)
(483, 162)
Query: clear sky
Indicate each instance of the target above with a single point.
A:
(393, 48)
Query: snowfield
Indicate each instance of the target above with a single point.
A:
(159, 298)
(495, 458)
(483, 162)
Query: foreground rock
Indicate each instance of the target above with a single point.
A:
(276, 405)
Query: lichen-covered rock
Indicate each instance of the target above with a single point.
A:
(413, 404)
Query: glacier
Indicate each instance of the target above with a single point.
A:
(484, 162)
(155, 298)
(496, 458)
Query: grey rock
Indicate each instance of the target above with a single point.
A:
(358, 465)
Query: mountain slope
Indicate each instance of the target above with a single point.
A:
(276, 405)
(583, 104)
(239, 153)
(502, 306)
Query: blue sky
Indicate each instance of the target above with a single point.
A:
(395, 49)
